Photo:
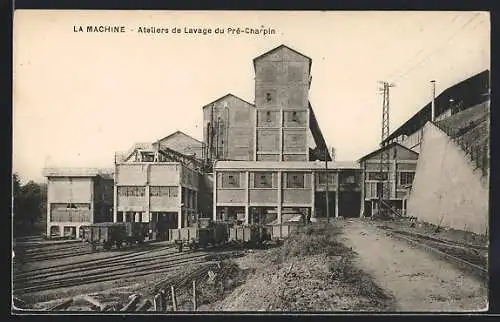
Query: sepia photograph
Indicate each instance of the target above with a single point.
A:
(199, 162)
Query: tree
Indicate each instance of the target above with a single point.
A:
(28, 204)
(16, 191)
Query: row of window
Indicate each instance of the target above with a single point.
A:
(171, 192)
(289, 116)
(404, 178)
(262, 180)
(293, 179)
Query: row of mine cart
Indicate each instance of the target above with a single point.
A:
(205, 233)
(208, 233)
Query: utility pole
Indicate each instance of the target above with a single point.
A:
(383, 192)
(326, 187)
(433, 104)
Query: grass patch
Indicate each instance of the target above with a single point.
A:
(313, 270)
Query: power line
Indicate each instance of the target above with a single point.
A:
(416, 55)
(437, 49)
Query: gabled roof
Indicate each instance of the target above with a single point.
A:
(227, 95)
(388, 146)
(177, 133)
(470, 91)
(278, 48)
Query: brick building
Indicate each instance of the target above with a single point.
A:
(278, 173)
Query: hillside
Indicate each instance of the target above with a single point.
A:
(470, 129)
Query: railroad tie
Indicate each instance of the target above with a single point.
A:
(132, 303)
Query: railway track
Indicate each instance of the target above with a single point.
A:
(108, 274)
(51, 254)
(466, 257)
(80, 265)
(89, 269)
(108, 269)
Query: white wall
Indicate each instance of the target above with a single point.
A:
(447, 186)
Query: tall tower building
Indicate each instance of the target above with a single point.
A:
(282, 80)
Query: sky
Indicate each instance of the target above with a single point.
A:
(79, 97)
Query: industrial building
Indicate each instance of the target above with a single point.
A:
(77, 197)
(389, 171)
(466, 94)
(159, 185)
(267, 161)
(395, 178)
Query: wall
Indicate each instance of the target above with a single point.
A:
(151, 182)
(233, 194)
(235, 139)
(65, 190)
(446, 186)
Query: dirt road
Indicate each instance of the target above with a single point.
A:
(417, 280)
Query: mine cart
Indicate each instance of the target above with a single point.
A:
(109, 234)
(250, 234)
(284, 230)
(200, 235)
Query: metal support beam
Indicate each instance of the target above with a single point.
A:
(247, 196)
(337, 191)
(363, 188)
(115, 203)
(214, 202)
(313, 194)
(280, 195)
(179, 207)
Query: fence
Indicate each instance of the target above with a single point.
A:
(478, 153)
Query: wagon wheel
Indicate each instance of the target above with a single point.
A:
(118, 244)
(106, 245)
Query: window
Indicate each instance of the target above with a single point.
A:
(295, 180)
(349, 179)
(268, 97)
(163, 192)
(131, 191)
(406, 178)
(395, 153)
(295, 118)
(376, 176)
(231, 180)
(268, 116)
(263, 180)
(322, 178)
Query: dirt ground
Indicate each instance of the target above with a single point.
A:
(349, 265)
(357, 267)
(308, 273)
(417, 280)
